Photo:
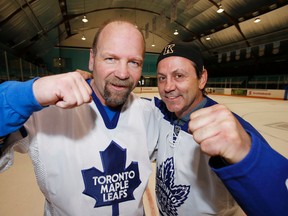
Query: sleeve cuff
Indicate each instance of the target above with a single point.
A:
(20, 97)
(225, 171)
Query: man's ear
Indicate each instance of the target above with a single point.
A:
(91, 60)
(203, 79)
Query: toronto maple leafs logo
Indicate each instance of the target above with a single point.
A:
(116, 183)
(169, 196)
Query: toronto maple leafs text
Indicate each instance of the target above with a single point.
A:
(114, 186)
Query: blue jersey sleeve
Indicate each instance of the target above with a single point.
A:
(258, 182)
(17, 103)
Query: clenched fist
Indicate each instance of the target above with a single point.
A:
(64, 90)
(219, 133)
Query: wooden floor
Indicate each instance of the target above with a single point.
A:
(20, 196)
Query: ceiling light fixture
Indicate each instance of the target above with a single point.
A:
(257, 20)
(208, 38)
(176, 32)
(220, 9)
(83, 37)
(153, 44)
(85, 20)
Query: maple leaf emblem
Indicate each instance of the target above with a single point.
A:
(169, 196)
(116, 183)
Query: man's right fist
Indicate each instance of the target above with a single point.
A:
(64, 90)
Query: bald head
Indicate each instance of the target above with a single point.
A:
(117, 26)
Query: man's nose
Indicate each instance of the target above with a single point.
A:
(122, 71)
(169, 85)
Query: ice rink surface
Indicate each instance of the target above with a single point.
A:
(19, 193)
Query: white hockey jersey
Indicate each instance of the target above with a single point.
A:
(87, 164)
(185, 183)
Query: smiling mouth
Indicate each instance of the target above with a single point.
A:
(118, 87)
(171, 97)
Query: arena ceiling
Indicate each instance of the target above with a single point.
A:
(31, 28)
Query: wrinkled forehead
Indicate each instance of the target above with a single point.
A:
(119, 34)
(176, 62)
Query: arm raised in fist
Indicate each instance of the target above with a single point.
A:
(64, 90)
(20, 99)
(219, 133)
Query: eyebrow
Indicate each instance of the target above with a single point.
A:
(108, 53)
(175, 71)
